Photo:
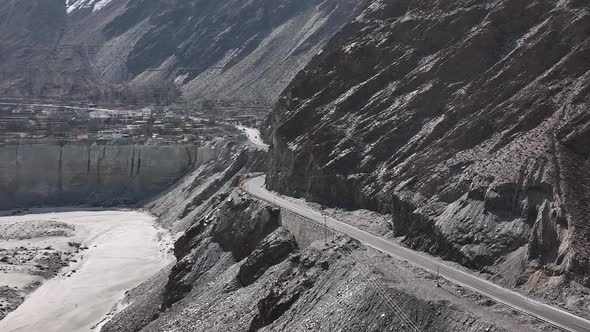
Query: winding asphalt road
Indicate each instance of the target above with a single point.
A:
(547, 313)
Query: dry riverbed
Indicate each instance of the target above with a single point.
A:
(68, 269)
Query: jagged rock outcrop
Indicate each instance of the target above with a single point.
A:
(190, 198)
(465, 120)
(239, 270)
(271, 251)
(151, 51)
(238, 227)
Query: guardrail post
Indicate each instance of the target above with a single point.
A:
(325, 228)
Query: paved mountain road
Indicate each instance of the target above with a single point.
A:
(254, 137)
(547, 313)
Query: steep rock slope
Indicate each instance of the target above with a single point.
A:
(467, 121)
(238, 269)
(191, 197)
(129, 50)
(29, 31)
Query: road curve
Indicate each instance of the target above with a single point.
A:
(254, 137)
(547, 313)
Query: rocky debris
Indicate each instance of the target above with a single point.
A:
(237, 269)
(463, 120)
(226, 235)
(142, 305)
(34, 229)
(271, 285)
(51, 263)
(43, 263)
(10, 299)
(32, 251)
(241, 238)
(191, 197)
(76, 245)
(243, 159)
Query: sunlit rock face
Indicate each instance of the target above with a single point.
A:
(129, 50)
(466, 121)
(239, 269)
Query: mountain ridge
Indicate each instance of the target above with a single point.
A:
(225, 50)
(462, 120)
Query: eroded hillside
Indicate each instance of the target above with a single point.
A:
(146, 50)
(466, 121)
(239, 269)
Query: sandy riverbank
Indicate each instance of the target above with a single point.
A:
(91, 258)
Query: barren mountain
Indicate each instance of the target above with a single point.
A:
(230, 50)
(239, 268)
(467, 121)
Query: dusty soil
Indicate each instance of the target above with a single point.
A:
(31, 251)
(53, 261)
(235, 273)
(35, 228)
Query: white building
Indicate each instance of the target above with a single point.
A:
(110, 134)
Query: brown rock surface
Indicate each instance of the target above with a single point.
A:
(465, 120)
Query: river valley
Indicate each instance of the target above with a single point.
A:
(106, 253)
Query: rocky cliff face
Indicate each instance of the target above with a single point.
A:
(466, 121)
(28, 29)
(53, 174)
(191, 197)
(144, 49)
(238, 269)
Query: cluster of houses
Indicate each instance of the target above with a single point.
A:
(84, 123)
(123, 123)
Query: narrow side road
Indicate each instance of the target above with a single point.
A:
(254, 137)
(547, 313)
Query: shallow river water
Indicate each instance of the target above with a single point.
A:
(124, 249)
